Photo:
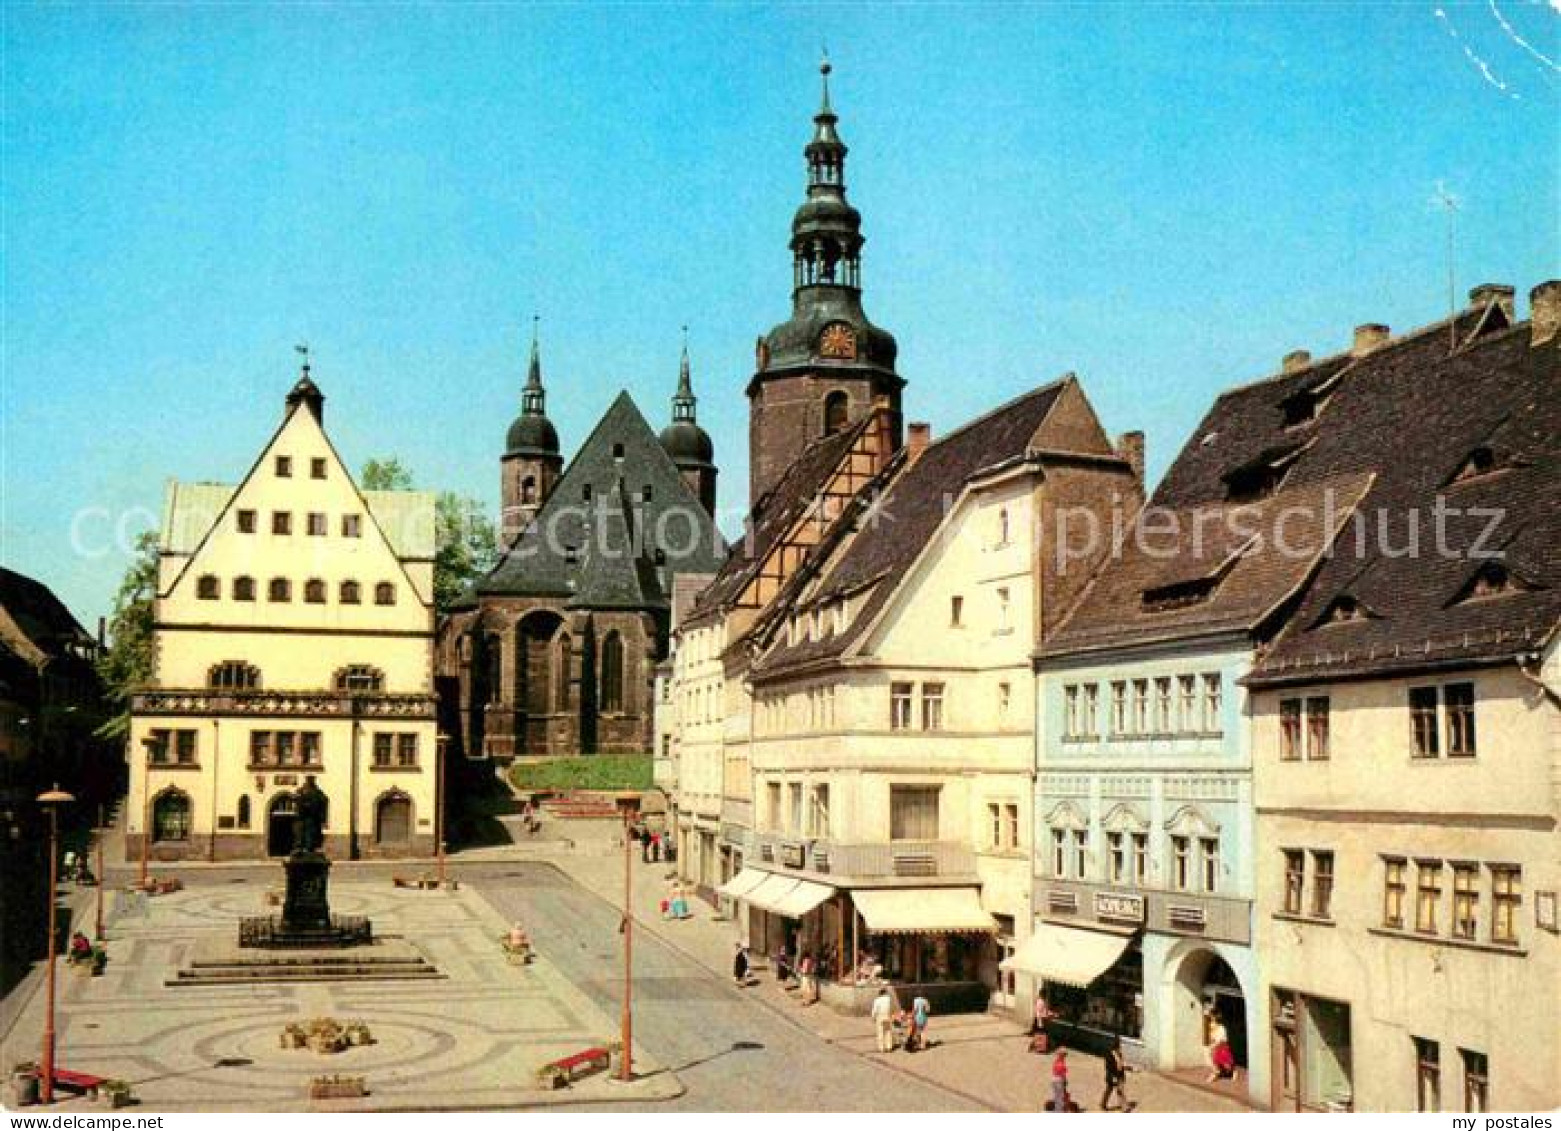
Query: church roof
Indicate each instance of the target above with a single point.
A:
(617, 526)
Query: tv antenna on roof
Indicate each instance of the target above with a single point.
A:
(1449, 203)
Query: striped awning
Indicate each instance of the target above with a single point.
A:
(742, 883)
(788, 897)
(1070, 955)
(922, 911)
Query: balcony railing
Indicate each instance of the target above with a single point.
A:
(899, 859)
(270, 703)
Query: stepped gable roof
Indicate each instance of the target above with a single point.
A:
(776, 512)
(905, 519)
(1271, 477)
(1478, 433)
(34, 623)
(593, 541)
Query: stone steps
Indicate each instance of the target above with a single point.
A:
(219, 964)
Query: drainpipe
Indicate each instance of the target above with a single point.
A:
(216, 772)
(352, 790)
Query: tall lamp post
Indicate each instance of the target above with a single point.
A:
(101, 831)
(148, 745)
(626, 1060)
(51, 802)
(441, 799)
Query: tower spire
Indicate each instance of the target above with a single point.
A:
(683, 402)
(533, 398)
(826, 235)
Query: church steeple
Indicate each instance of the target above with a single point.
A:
(827, 365)
(686, 442)
(531, 463)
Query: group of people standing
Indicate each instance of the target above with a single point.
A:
(654, 846)
(887, 1017)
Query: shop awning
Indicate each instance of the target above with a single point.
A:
(922, 910)
(804, 898)
(769, 895)
(1069, 955)
(741, 884)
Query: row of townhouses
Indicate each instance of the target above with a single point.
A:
(1276, 748)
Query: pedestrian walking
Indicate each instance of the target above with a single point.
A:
(921, 1013)
(807, 971)
(883, 1020)
(740, 965)
(1222, 1061)
(1040, 1039)
(1060, 1100)
(644, 839)
(1116, 1077)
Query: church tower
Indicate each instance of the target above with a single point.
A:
(687, 443)
(531, 462)
(827, 365)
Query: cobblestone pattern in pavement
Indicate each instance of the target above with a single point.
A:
(472, 1040)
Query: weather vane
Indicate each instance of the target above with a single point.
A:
(302, 350)
(1444, 199)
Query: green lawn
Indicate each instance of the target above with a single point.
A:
(596, 771)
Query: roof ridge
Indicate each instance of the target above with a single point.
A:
(1011, 403)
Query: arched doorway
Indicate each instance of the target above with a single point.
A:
(171, 816)
(393, 820)
(1206, 989)
(279, 825)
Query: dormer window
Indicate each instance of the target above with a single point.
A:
(1261, 477)
(1299, 409)
(1179, 594)
(1492, 579)
(1482, 461)
(1344, 609)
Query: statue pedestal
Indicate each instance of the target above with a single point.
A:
(306, 906)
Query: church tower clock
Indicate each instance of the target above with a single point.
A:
(827, 365)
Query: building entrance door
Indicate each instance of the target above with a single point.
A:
(279, 825)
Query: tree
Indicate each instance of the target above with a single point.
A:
(129, 663)
(465, 543)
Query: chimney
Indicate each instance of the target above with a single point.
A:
(1544, 311)
(918, 436)
(1296, 360)
(1369, 337)
(1497, 294)
(1130, 446)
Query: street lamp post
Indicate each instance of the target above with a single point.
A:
(148, 744)
(626, 1060)
(441, 799)
(51, 802)
(101, 830)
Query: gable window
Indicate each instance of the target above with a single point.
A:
(281, 522)
(279, 590)
(360, 677)
(1466, 900)
(899, 706)
(1003, 606)
(284, 467)
(956, 611)
(1394, 887)
(246, 521)
(1506, 898)
(384, 593)
(233, 675)
(1004, 702)
(243, 588)
(317, 468)
(1428, 893)
(913, 812)
(352, 526)
(350, 593)
(1295, 880)
(314, 591)
(208, 588)
(317, 525)
(1428, 1075)
(1002, 526)
(932, 706)
(617, 451)
(647, 493)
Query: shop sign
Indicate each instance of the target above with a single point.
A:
(792, 855)
(1116, 905)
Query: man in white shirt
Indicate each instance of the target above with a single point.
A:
(883, 1020)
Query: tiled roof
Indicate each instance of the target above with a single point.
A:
(600, 552)
(905, 519)
(1419, 417)
(34, 622)
(776, 512)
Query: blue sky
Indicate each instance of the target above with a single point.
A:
(1163, 199)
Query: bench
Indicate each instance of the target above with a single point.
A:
(567, 1069)
(82, 1083)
